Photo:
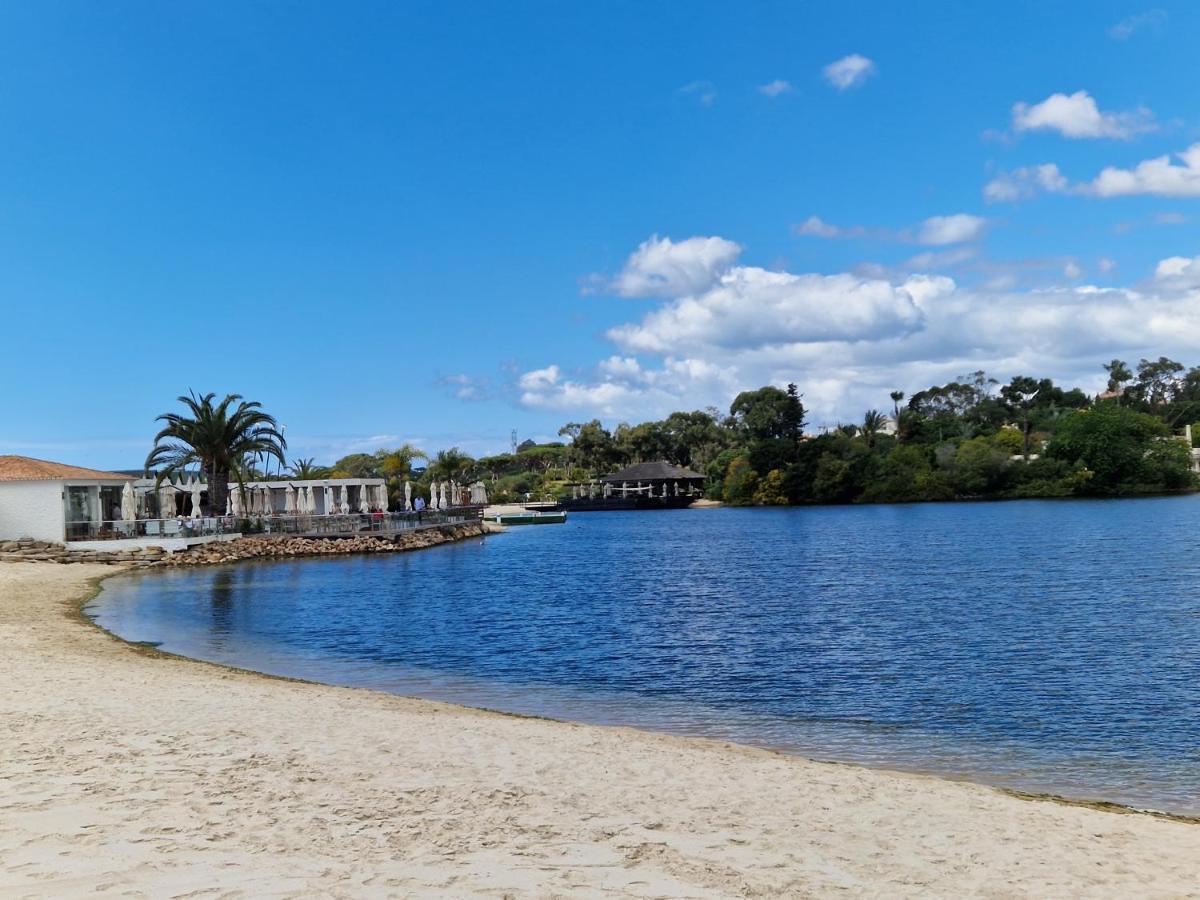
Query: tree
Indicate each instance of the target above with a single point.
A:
(306, 469)
(1110, 440)
(592, 446)
(871, 426)
(1118, 375)
(216, 439)
(451, 465)
(740, 482)
(897, 396)
(768, 413)
(356, 465)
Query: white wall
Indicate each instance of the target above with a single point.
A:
(32, 509)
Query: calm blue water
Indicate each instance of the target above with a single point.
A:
(1041, 645)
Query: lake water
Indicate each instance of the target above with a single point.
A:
(1037, 644)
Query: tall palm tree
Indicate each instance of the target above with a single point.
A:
(871, 426)
(306, 469)
(897, 396)
(217, 439)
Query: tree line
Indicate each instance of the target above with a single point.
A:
(971, 438)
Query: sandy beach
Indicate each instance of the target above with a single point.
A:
(135, 774)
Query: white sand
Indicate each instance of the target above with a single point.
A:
(139, 775)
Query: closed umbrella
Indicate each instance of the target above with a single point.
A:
(328, 500)
(128, 503)
(364, 503)
(289, 500)
(235, 501)
(268, 506)
(344, 499)
(166, 500)
(443, 504)
(195, 486)
(407, 497)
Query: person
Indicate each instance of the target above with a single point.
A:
(419, 506)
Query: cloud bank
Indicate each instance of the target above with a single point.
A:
(847, 340)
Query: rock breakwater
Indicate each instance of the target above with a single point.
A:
(251, 547)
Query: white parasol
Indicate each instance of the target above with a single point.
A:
(407, 497)
(268, 506)
(364, 503)
(289, 500)
(195, 489)
(128, 503)
(443, 503)
(166, 500)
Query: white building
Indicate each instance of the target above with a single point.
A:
(48, 500)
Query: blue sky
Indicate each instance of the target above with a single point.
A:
(441, 222)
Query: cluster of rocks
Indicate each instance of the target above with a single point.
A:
(257, 547)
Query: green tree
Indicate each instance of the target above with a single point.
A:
(872, 424)
(218, 438)
(356, 465)
(306, 469)
(768, 413)
(771, 490)
(740, 482)
(1118, 375)
(1110, 440)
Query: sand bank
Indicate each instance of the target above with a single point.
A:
(145, 775)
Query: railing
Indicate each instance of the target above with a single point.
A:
(331, 525)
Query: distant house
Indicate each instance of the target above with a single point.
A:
(47, 501)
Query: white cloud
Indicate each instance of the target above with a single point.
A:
(705, 92)
(847, 340)
(849, 71)
(815, 226)
(1008, 187)
(1157, 176)
(1077, 116)
(1178, 272)
(775, 88)
(1153, 19)
(660, 267)
(1106, 266)
(956, 229)
(539, 378)
(755, 306)
(934, 231)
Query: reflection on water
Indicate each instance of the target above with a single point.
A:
(1042, 645)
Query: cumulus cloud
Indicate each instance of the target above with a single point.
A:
(749, 305)
(956, 229)
(849, 71)
(660, 267)
(849, 339)
(1158, 176)
(1077, 116)
(1152, 19)
(1178, 273)
(775, 88)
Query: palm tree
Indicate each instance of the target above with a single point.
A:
(897, 396)
(451, 465)
(221, 442)
(396, 466)
(306, 469)
(871, 426)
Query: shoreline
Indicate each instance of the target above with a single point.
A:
(511, 803)
(978, 779)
